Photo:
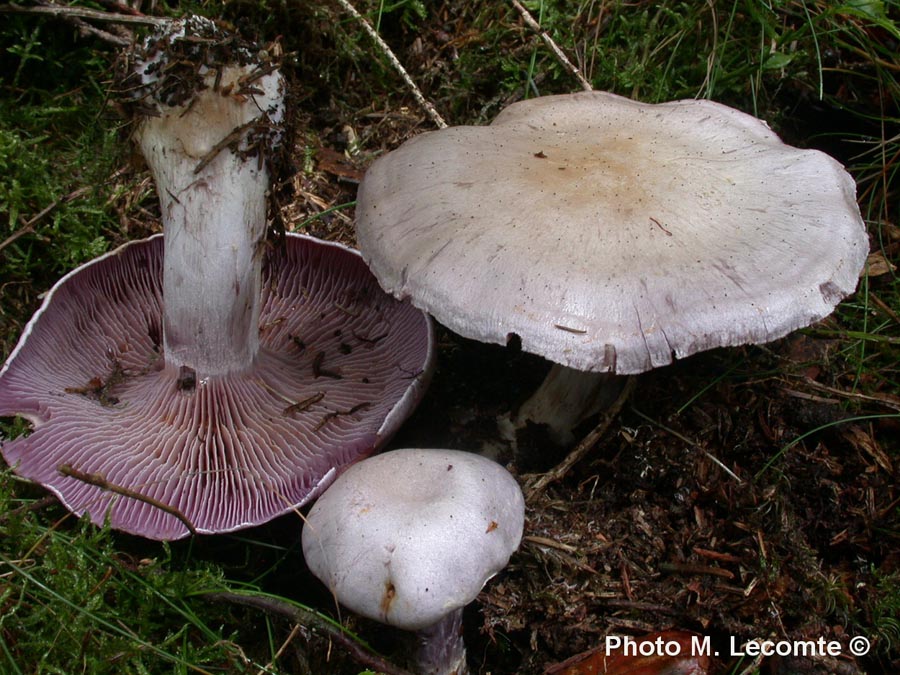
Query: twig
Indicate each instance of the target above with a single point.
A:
(30, 223)
(116, 40)
(691, 569)
(31, 506)
(268, 668)
(622, 603)
(690, 442)
(557, 52)
(334, 414)
(889, 402)
(360, 653)
(120, 36)
(84, 13)
(585, 446)
(386, 50)
(84, 28)
(97, 480)
(550, 543)
(121, 7)
(231, 138)
(884, 307)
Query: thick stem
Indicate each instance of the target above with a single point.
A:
(212, 186)
(441, 647)
(566, 398)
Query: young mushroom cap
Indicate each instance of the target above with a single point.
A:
(119, 434)
(612, 235)
(410, 535)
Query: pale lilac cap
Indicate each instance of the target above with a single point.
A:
(613, 235)
(408, 536)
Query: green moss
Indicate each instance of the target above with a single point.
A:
(57, 149)
(72, 601)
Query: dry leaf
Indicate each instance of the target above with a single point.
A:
(689, 660)
(864, 441)
(877, 264)
(338, 164)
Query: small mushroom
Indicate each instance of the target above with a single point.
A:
(410, 537)
(612, 236)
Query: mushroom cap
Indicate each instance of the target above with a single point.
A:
(611, 235)
(407, 536)
(340, 366)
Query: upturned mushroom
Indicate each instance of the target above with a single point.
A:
(224, 380)
(612, 236)
(410, 537)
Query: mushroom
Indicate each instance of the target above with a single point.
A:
(612, 236)
(221, 382)
(410, 537)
